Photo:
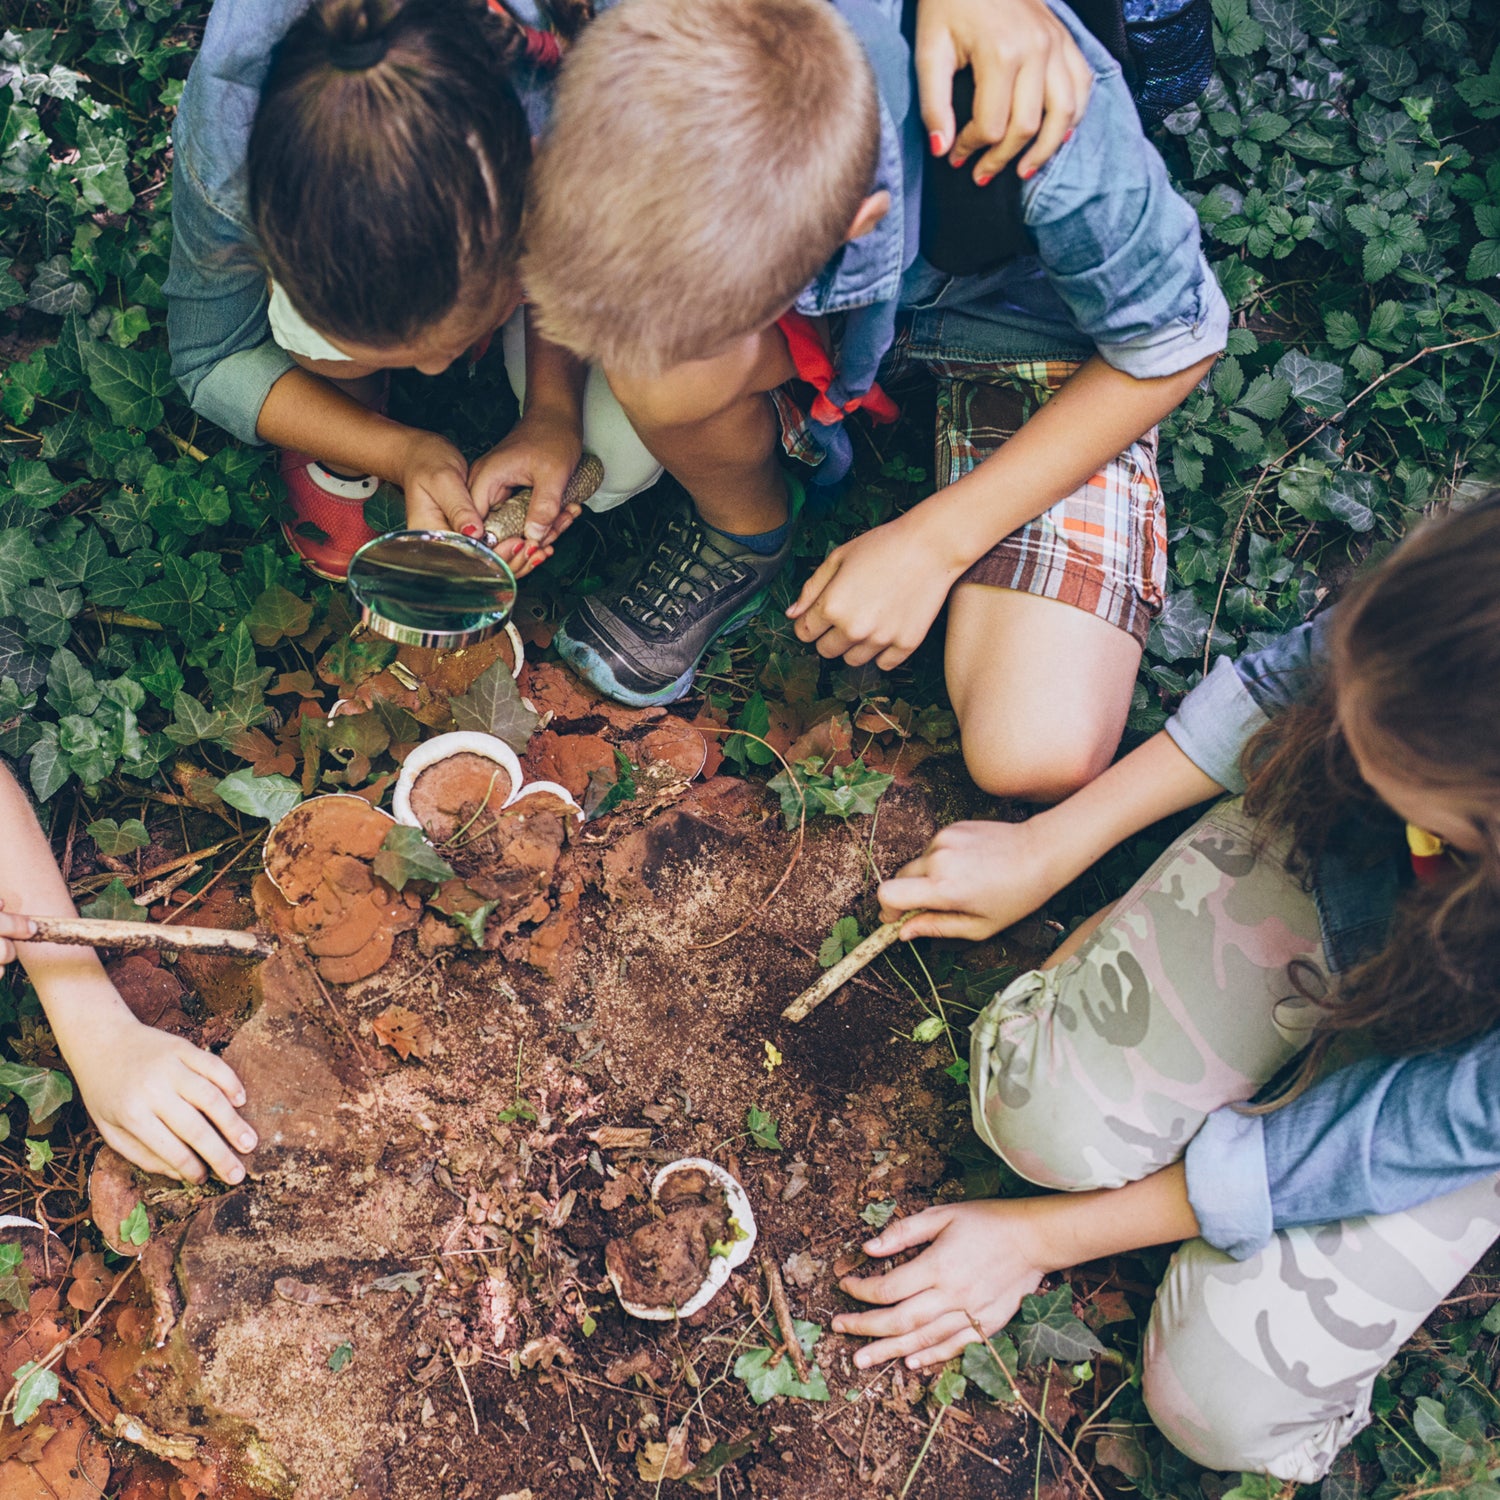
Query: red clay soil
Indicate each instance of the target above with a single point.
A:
(408, 1296)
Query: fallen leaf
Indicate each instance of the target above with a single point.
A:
(305, 1293)
(802, 1269)
(622, 1137)
(618, 1191)
(266, 757)
(669, 1460)
(405, 1032)
(642, 1362)
(543, 1353)
(90, 1281)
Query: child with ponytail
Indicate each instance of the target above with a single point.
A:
(1324, 941)
(347, 196)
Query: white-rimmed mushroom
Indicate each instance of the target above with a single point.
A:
(439, 748)
(720, 1267)
(339, 818)
(548, 789)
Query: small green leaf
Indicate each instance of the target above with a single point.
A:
(276, 614)
(15, 1280)
(34, 1386)
(843, 939)
(1046, 1329)
(38, 1154)
(928, 1029)
(981, 1363)
(761, 1128)
(269, 797)
(763, 1380)
(114, 904)
(114, 838)
(878, 1215)
(135, 1227)
(45, 1090)
(949, 1386)
(406, 855)
(340, 1356)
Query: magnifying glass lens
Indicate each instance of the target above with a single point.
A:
(431, 588)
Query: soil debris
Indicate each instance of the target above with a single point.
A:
(665, 1261)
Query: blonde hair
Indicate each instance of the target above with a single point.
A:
(706, 160)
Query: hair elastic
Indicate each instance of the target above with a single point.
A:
(355, 57)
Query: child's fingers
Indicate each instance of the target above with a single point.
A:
(190, 1125)
(902, 1234)
(454, 502)
(220, 1074)
(208, 1097)
(1024, 123)
(135, 1151)
(912, 890)
(17, 927)
(821, 578)
(936, 63)
(565, 518)
(941, 1352)
(993, 123)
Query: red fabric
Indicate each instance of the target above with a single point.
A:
(1430, 867)
(542, 47)
(815, 366)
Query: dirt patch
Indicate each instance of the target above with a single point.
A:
(666, 1260)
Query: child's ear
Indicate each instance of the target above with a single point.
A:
(869, 214)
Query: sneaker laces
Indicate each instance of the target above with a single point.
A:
(680, 573)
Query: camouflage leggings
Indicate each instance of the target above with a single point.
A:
(1098, 1071)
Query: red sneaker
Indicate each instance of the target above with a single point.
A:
(334, 505)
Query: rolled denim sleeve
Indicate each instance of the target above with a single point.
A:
(1227, 1183)
(1119, 245)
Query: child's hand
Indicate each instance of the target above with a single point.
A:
(542, 450)
(981, 1259)
(875, 598)
(161, 1102)
(1031, 83)
(12, 930)
(972, 881)
(435, 477)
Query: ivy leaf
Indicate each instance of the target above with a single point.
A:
(1431, 1424)
(761, 1129)
(191, 721)
(34, 1387)
(844, 938)
(763, 1380)
(276, 614)
(115, 903)
(135, 1227)
(950, 1385)
(71, 688)
(114, 838)
(237, 680)
(44, 1090)
(1315, 384)
(406, 855)
(53, 289)
(493, 705)
(20, 562)
(100, 170)
(1045, 1328)
(47, 610)
(15, 1280)
(269, 797)
(981, 1364)
(130, 382)
(878, 1215)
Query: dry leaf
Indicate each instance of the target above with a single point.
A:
(90, 1282)
(305, 1294)
(545, 1352)
(803, 1270)
(618, 1191)
(622, 1137)
(668, 1460)
(405, 1032)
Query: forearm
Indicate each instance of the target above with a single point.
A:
(1070, 1229)
(309, 414)
(70, 981)
(1095, 416)
(1154, 781)
(554, 378)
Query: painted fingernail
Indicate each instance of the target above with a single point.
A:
(957, 161)
(1026, 173)
(935, 142)
(985, 180)
(1068, 137)
(471, 530)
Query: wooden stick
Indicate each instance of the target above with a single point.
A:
(134, 937)
(790, 1342)
(846, 968)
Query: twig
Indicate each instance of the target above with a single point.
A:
(89, 883)
(458, 1370)
(1275, 466)
(598, 1467)
(784, 1318)
(845, 969)
(354, 1043)
(786, 874)
(937, 1422)
(1036, 1416)
(136, 937)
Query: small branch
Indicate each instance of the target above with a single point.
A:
(784, 1318)
(846, 968)
(138, 937)
(458, 1370)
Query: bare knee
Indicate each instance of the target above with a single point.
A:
(1042, 768)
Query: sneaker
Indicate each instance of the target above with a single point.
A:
(319, 498)
(641, 642)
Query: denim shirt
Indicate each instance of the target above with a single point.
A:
(1380, 1135)
(1119, 265)
(223, 355)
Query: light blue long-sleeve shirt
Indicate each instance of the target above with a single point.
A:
(1376, 1136)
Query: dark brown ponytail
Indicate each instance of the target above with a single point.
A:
(388, 161)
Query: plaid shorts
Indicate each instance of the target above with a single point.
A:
(1102, 549)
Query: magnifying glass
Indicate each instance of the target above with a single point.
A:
(431, 588)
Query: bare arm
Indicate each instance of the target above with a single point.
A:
(974, 879)
(165, 1104)
(308, 413)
